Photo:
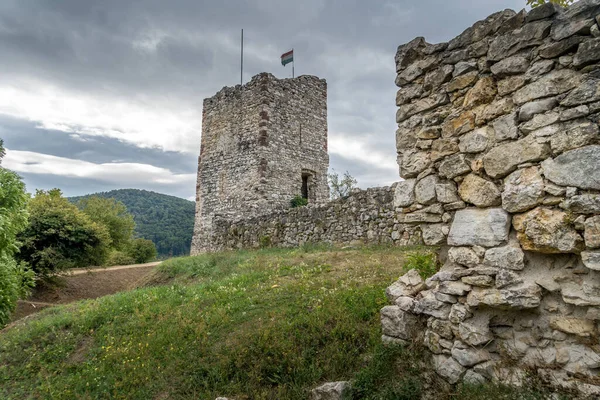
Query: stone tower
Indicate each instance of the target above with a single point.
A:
(262, 144)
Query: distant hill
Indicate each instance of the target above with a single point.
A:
(166, 220)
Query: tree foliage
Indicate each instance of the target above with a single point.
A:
(113, 215)
(60, 236)
(15, 278)
(168, 221)
(142, 250)
(537, 3)
(340, 187)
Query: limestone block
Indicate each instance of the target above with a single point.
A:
(531, 34)
(483, 92)
(446, 192)
(592, 232)
(443, 147)
(467, 357)
(427, 304)
(506, 278)
(575, 20)
(522, 297)
(510, 66)
(433, 234)
(408, 110)
(575, 136)
(479, 191)
(574, 326)
(583, 204)
(454, 166)
(413, 162)
(404, 194)
(547, 230)
(458, 125)
(578, 168)
(463, 256)
(454, 288)
(505, 128)
(479, 227)
(475, 332)
(511, 84)
(448, 368)
(573, 113)
(477, 141)
(523, 190)
(331, 391)
(399, 324)
(529, 110)
(591, 259)
(552, 84)
(539, 121)
(544, 11)
(458, 313)
(463, 67)
(462, 81)
(506, 257)
(557, 49)
(407, 93)
(503, 159)
(588, 91)
(437, 77)
(479, 280)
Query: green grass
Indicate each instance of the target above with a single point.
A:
(266, 324)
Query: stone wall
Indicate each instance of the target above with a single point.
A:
(366, 216)
(499, 129)
(258, 141)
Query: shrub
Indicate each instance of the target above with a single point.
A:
(142, 250)
(117, 257)
(113, 215)
(299, 201)
(425, 262)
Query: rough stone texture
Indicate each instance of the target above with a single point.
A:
(520, 127)
(260, 141)
(479, 227)
(330, 391)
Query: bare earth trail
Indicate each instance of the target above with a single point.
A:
(80, 284)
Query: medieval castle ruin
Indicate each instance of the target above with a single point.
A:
(499, 150)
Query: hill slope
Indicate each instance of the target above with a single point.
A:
(166, 220)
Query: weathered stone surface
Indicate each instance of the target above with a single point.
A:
(467, 357)
(547, 230)
(446, 192)
(413, 162)
(577, 19)
(463, 256)
(478, 191)
(408, 110)
(407, 93)
(531, 34)
(427, 304)
(463, 123)
(404, 193)
(476, 141)
(587, 91)
(591, 259)
(425, 190)
(479, 227)
(505, 158)
(578, 168)
(429, 132)
(454, 166)
(434, 235)
(519, 298)
(463, 67)
(529, 110)
(331, 391)
(443, 147)
(479, 280)
(409, 53)
(510, 66)
(538, 68)
(505, 128)
(540, 121)
(455, 288)
(572, 113)
(583, 204)
(592, 232)
(574, 326)
(483, 92)
(506, 278)
(511, 84)
(523, 190)
(462, 81)
(544, 11)
(556, 49)
(552, 84)
(437, 77)
(448, 368)
(475, 332)
(494, 110)
(399, 324)
(577, 136)
(588, 53)
(506, 257)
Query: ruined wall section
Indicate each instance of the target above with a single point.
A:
(364, 217)
(499, 145)
(250, 161)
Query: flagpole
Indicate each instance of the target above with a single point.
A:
(242, 61)
(293, 62)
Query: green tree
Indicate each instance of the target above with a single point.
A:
(142, 250)
(113, 215)
(536, 3)
(15, 278)
(60, 236)
(340, 187)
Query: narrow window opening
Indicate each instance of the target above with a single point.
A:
(305, 186)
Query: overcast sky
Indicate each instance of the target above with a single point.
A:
(99, 95)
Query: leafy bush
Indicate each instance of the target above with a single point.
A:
(425, 262)
(113, 215)
(340, 187)
(142, 250)
(117, 257)
(299, 201)
(14, 277)
(60, 236)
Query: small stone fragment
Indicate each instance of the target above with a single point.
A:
(478, 191)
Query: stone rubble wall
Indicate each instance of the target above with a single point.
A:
(366, 216)
(499, 146)
(257, 141)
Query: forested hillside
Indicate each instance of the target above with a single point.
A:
(166, 220)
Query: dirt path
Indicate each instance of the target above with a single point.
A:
(83, 284)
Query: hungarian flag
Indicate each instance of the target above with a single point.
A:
(287, 58)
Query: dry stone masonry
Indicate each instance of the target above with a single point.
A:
(499, 146)
(262, 144)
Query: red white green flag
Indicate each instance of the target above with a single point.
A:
(287, 58)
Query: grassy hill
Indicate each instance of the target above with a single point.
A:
(166, 220)
(268, 324)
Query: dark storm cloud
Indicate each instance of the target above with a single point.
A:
(170, 54)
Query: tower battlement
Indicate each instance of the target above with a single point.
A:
(263, 143)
